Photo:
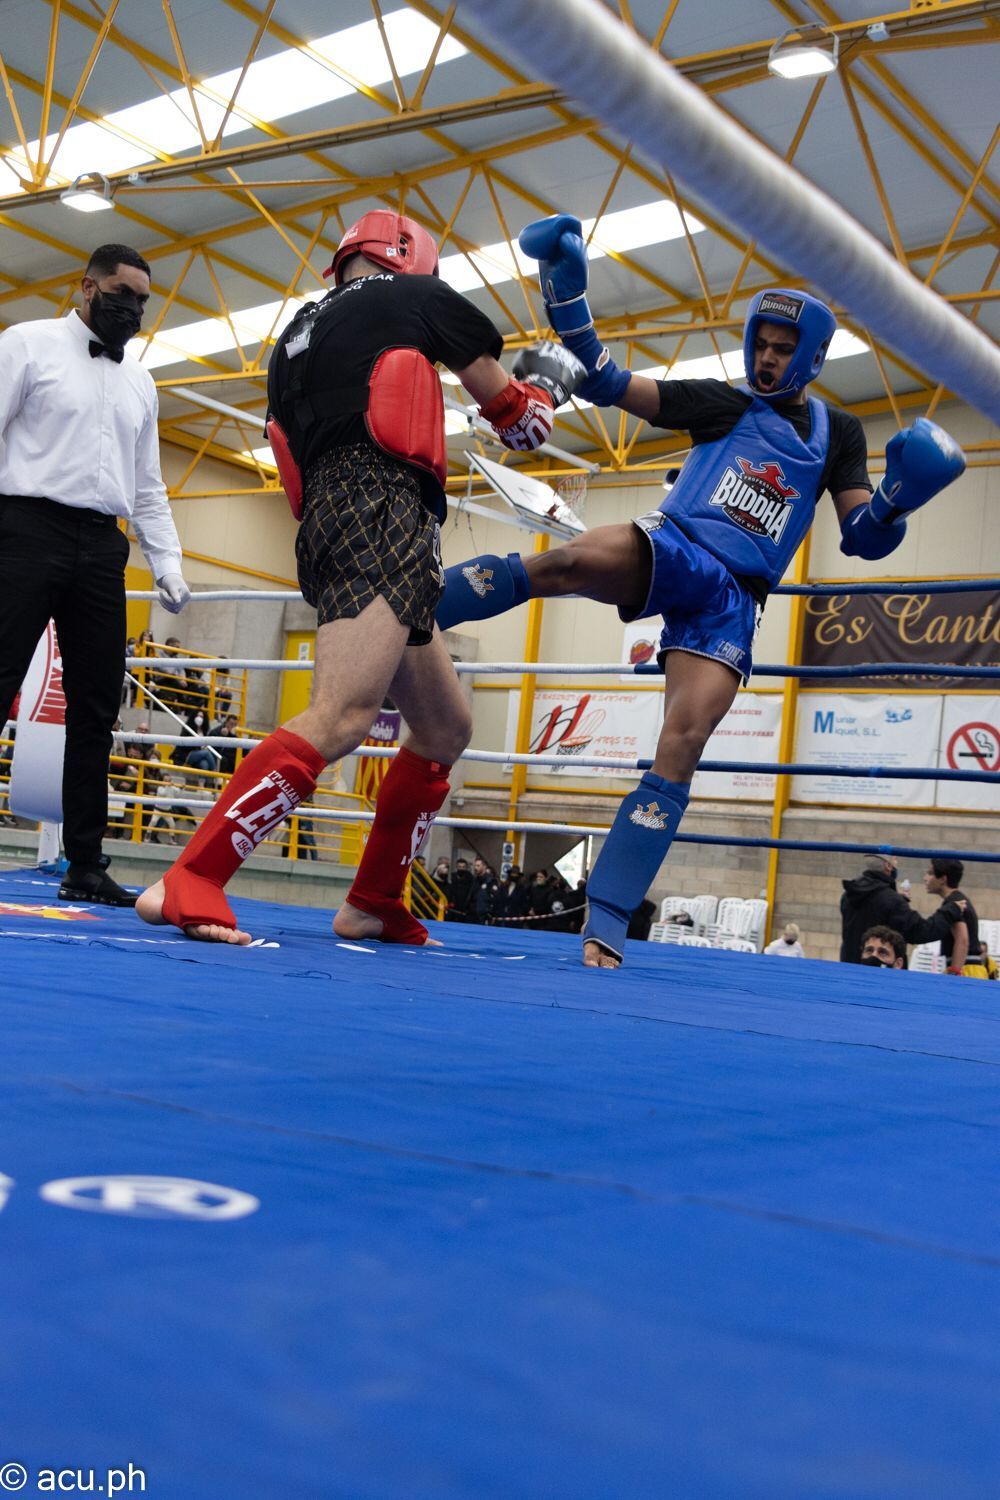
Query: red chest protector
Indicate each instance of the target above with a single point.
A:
(404, 413)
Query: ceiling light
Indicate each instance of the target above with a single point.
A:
(90, 193)
(804, 52)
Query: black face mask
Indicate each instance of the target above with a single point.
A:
(872, 962)
(115, 317)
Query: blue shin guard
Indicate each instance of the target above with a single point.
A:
(481, 588)
(633, 852)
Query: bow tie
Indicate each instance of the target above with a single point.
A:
(96, 348)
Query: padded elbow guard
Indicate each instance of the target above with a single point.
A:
(862, 536)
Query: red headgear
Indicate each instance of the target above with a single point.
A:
(392, 241)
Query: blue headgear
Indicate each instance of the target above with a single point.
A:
(815, 325)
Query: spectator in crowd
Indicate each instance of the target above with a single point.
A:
(641, 921)
(872, 900)
(540, 895)
(128, 685)
(988, 961)
(883, 948)
(441, 875)
(960, 945)
(166, 806)
(196, 694)
(681, 919)
(559, 893)
(576, 903)
(228, 729)
(788, 945)
(199, 757)
(223, 692)
(512, 898)
(169, 681)
(135, 750)
(485, 889)
(461, 892)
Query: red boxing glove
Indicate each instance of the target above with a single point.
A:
(521, 416)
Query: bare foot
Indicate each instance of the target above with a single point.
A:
(150, 908)
(352, 924)
(594, 956)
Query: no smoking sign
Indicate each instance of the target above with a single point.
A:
(974, 747)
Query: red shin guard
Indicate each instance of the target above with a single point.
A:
(408, 798)
(269, 784)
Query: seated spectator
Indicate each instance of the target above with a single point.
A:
(988, 962)
(228, 729)
(170, 680)
(200, 757)
(681, 919)
(135, 749)
(883, 948)
(788, 945)
(165, 808)
(223, 693)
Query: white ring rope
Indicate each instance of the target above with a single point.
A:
(612, 72)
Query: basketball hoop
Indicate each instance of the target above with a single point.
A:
(572, 491)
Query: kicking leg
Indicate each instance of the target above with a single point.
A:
(611, 564)
(429, 696)
(355, 662)
(699, 692)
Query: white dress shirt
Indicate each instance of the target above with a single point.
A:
(82, 431)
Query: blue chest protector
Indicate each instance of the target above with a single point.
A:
(749, 497)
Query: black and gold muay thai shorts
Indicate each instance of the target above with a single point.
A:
(366, 534)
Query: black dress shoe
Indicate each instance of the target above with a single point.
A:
(92, 883)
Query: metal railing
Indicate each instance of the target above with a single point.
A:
(217, 691)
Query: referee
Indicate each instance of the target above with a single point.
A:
(80, 453)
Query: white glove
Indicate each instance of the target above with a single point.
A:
(174, 592)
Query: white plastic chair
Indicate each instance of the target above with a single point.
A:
(737, 945)
(689, 940)
(704, 910)
(665, 932)
(989, 933)
(728, 915)
(927, 958)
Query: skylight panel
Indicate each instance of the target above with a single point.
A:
(628, 229)
(274, 88)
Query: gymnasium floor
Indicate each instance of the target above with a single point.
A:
(713, 1226)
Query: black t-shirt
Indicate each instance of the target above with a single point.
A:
(971, 920)
(339, 338)
(709, 409)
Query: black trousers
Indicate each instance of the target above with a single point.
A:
(68, 565)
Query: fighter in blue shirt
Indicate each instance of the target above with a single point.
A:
(762, 455)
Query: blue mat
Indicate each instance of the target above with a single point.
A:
(715, 1225)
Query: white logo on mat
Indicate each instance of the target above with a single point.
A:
(141, 1197)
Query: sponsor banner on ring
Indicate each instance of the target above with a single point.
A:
(751, 730)
(623, 726)
(953, 629)
(867, 730)
(970, 741)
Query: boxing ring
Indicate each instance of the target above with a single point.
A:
(323, 1218)
(326, 1220)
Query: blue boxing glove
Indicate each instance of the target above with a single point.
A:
(919, 462)
(557, 244)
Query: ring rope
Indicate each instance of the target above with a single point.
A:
(958, 586)
(585, 830)
(607, 762)
(594, 669)
(611, 71)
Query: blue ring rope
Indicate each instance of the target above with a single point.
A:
(966, 856)
(860, 773)
(886, 669)
(959, 586)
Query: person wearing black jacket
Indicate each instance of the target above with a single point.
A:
(485, 889)
(872, 900)
(460, 892)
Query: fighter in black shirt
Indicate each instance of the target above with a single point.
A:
(357, 426)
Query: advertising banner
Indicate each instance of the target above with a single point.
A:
(640, 642)
(850, 629)
(36, 770)
(570, 724)
(970, 741)
(751, 730)
(867, 730)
